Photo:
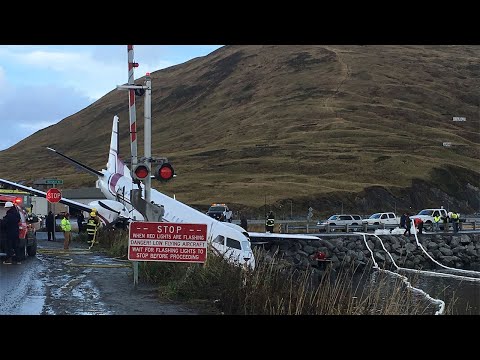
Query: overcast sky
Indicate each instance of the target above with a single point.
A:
(41, 85)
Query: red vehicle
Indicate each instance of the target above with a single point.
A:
(28, 239)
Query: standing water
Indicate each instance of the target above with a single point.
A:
(461, 296)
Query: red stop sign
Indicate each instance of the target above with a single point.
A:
(54, 195)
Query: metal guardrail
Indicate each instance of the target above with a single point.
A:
(287, 228)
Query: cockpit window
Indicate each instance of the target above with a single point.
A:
(234, 244)
(246, 245)
(219, 239)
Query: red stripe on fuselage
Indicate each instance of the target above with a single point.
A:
(120, 166)
(113, 182)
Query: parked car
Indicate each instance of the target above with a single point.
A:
(342, 220)
(386, 218)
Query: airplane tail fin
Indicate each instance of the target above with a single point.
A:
(115, 164)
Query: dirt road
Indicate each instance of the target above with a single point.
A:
(77, 282)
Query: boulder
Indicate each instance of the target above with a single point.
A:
(446, 251)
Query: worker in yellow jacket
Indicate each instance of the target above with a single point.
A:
(92, 226)
(66, 228)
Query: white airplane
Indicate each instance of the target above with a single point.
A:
(116, 183)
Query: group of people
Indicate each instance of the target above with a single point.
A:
(406, 223)
(92, 226)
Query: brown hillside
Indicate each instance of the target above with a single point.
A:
(321, 125)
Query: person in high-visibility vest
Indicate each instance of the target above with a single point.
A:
(455, 221)
(66, 228)
(270, 222)
(436, 222)
(92, 226)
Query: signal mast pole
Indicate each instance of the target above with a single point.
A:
(131, 110)
(133, 131)
(147, 152)
(147, 157)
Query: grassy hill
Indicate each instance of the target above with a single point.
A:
(309, 125)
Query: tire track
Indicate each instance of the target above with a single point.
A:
(345, 73)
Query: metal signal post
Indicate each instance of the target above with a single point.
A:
(147, 152)
(141, 168)
(131, 102)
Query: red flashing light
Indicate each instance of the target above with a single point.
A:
(141, 172)
(164, 172)
(18, 200)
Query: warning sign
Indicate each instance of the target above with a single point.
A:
(171, 242)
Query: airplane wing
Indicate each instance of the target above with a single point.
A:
(77, 164)
(71, 203)
(261, 237)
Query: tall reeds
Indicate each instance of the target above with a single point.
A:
(276, 287)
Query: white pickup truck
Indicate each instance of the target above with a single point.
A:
(426, 215)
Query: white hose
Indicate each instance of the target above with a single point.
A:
(439, 302)
(441, 265)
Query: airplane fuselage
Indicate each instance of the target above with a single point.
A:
(225, 239)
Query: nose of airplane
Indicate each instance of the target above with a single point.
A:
(250, 261)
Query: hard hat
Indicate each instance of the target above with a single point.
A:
(8, 204)
(94, 210)
(93, 213)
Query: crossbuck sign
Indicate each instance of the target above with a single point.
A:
(170, 242)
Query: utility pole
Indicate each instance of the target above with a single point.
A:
(265, 211)
(131, 109)
(132, 112)
(148, 134)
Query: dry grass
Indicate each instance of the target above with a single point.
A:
(274, 287)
